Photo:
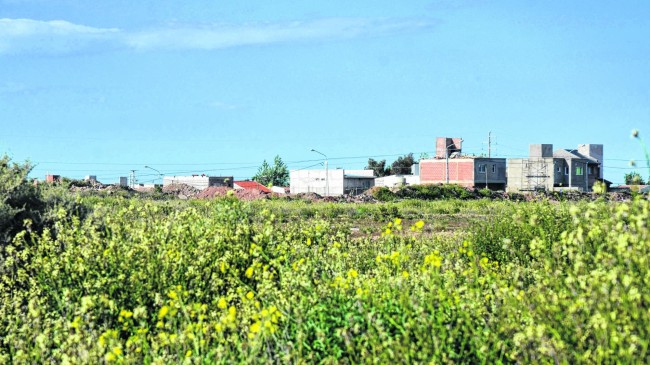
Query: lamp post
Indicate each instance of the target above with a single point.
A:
(159, 174)
(327, 178)
(447, 159)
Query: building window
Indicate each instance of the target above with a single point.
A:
(579, 171)
(591, 170)
(482, 168)
(494, 168)
(566, 170)
(559, 169)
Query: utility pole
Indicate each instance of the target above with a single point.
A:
(327, 178)
(490, 144)
(489, 156)
(132, 179)
(447, 158)
(159, 174)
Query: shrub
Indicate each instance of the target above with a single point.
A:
(383, 194)
(20, 199)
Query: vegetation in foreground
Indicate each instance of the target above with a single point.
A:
(105, 279)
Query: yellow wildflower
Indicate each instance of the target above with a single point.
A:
(222, 304)
(249, 272)
(163, 312)
(250, 295)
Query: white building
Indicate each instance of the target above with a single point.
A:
(396, 180)
(199, 181)
(331, 183)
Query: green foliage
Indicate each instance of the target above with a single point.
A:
(402, 166)
(383, 194)
(379, 167)
(20, 199)
(633, 178)
(225, 281)
(434, 192)
(276, 175)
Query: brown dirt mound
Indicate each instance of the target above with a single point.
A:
(181, 190)
(243, 194)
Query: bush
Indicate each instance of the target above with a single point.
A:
(383, 194)
(20, 199)
(434, 192)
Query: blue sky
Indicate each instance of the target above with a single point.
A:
(216, 87)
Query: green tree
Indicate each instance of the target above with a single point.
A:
(633, 178)
(402, 166)
(276, 175)
(379, 167)
(19, 199)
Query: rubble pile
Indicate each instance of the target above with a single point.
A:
(182, 191)
(213, 192)
(251, 194)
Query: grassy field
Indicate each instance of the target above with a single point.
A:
(199, 282)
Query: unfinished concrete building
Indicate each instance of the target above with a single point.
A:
(331, 182)
(545, 169)
(199, 181)
(450, 166)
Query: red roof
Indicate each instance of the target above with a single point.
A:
(250, 185)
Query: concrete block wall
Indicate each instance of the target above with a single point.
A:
(316, 181)
(451, 144)
(461, 171)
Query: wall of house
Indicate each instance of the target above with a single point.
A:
(527, 174)
(355, 185)
(446, 145)
(579, 182)
(494, 175)
(316, 181)
(461, 171)
(393, 180)
(199, 182)
(594, 151)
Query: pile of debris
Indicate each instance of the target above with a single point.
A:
(182, 191)
(241, 194)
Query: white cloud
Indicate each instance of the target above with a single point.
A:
(33, 36)
(216, 37)
(56, 36)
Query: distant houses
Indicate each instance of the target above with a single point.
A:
(564, 169)
(544, 169)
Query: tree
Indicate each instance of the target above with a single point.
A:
(19, 199)
(633, 178)
(379, 167)
(402, 166)
(276, 175)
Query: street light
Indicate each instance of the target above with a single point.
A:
(327, 179)
(159, 174)
(447, 158)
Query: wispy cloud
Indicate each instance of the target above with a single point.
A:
(219, 105)
(57, 36)
(34, 36)
(217, 37)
